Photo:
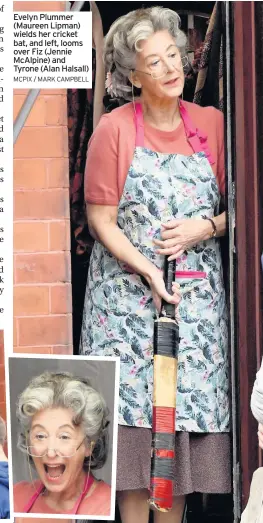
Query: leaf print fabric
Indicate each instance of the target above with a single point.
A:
(119, 311)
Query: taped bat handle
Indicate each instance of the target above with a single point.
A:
(168, 309)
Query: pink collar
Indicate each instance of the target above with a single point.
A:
(88, 483)
(196, 138)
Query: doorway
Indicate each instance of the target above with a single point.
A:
(205, 509)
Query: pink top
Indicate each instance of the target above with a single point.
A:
(111, 147)
(97, 503)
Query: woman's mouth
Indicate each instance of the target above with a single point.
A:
(54, 472)
(172, 82)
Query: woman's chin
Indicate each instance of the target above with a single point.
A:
(54, 486)
(173, 92)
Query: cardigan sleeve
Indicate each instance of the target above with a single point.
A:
(101, 172)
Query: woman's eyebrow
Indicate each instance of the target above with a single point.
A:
(156, 54)
(169, 47)
(38, 425)
(150, 55)
(66, 425)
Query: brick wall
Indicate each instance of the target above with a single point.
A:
(42, 274)
(42, 271)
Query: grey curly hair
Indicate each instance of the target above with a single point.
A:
(64, 390)
(122, 43)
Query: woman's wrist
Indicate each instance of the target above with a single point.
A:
(215, 226)
(208, 229)
(220, 223)
(149, 271)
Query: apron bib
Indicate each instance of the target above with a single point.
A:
(119, 311)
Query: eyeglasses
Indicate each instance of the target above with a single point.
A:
(159, 69)
(64, 449)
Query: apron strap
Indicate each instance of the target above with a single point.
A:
(139, 125)
(196, 138)
(32, 500)
(88, 483)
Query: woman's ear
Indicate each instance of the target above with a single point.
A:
(135, 80)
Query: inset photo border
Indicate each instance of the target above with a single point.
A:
(5, 448)
(55, 402)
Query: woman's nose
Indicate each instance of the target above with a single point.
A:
(169, 66)
(51, 453)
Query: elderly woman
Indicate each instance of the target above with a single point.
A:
(154, 181)
(63, 433)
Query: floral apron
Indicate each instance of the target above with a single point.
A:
(119, 311)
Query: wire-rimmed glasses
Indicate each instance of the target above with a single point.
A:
(161, 69)
(64, 449)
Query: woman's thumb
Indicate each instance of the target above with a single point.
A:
(168, 297)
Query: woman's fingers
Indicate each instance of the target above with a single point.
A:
(172, 224)
(159, 291)
(169, 251)
(157, 301)
(176, 292)
(175, 297)
(166, 234)
(171, 298)
(169, 248)
(177, 255)
(165, 243)
(174, 253)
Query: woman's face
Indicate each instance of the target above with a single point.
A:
(159, 56)
(51, 430)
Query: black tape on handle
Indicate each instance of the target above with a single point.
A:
(163, 440)
(162, 468)
(168, 309)
(166, 338)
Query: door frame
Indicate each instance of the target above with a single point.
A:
(247, 233)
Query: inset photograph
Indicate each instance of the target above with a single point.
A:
(64, 435)
(4, 465)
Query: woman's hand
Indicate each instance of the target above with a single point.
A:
(159, 291)
(180, 235)
(260, 435)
